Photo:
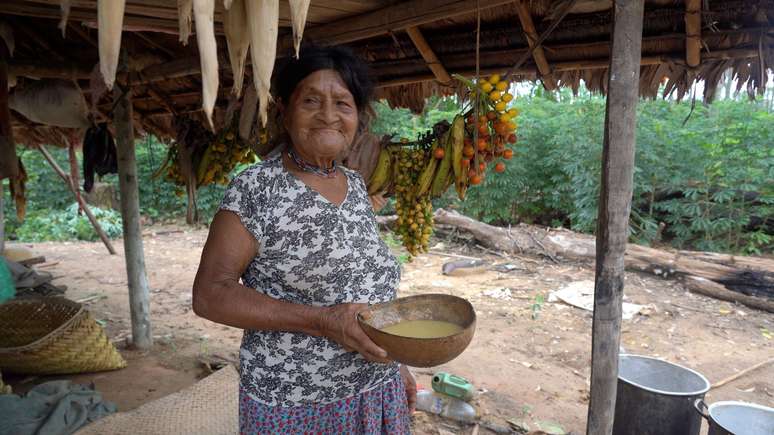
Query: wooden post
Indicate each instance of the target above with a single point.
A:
(9, 164)
(130, 212)
(614, 205)
(79, 199)
(693, 32)
(2, 219)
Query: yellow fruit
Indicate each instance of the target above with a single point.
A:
(500, 106)
(507, 98)
(501, 85)
(514, 112)
(495, 95)
(494, 79)
(486, 87)
(505, 117)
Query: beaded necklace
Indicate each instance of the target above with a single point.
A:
(312, 168)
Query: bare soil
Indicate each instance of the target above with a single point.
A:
(529, 360)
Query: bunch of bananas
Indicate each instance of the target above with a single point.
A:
(221, 157)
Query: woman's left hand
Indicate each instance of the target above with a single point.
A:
(411, 388)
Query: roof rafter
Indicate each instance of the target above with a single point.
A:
(428, 55)
(528, 26)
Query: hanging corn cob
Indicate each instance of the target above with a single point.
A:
(110, 17)
(238, 40)
(184, 11)
(298, 10)
(204, 11)
(65, 7)
(262, 23)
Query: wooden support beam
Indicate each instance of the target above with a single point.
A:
(78, 198)
(693, 32)
(9, 163)
(130, 212)
(2, 218)
(428, 55)
(614, 206)
(391, 18)
(741, 53)
(532, 37)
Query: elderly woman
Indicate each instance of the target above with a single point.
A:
(300, 232)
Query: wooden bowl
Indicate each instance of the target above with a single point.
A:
(421, 352)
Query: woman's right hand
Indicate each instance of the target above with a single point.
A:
(339, 323)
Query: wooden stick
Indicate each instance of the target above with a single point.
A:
(94, 223)
(736, 376)
(428, 55)
(693, 32)
(614, 205)
(130, 212)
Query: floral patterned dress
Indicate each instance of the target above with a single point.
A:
(317, 253)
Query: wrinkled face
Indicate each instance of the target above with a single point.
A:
(321, 116)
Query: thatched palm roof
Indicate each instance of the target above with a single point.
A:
(166, 83)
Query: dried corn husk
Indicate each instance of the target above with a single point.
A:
(65, 6)
(184, 10)
(204, 14)
(238, 40)
(6, 34)
(110, 20)
(262, 23)
(298, 10)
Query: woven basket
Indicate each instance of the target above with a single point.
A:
(53, 335)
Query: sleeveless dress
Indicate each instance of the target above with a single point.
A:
(313, 252)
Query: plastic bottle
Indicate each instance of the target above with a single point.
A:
(452, 385)
(446, 406)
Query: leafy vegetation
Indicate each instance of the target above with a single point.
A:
(705, 183)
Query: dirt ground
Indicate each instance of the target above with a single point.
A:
(529, 360)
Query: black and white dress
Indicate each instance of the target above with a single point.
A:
(311, 252)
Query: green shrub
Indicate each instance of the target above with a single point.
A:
(58, 225)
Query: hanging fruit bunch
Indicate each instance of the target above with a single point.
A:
(211, 160)
(416, 172)
(488, 128)
(459, 155)
(221, 156)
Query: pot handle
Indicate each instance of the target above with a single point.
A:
(701, 408)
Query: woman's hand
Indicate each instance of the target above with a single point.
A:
(411, 388)
(339, 323)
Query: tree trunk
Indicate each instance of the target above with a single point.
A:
(130, 213)
(750, 276)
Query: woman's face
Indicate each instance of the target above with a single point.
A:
(321, 116)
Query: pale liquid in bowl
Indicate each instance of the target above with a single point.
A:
(423, 329)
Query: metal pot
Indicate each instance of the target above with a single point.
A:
(736, 418)
(656, 397)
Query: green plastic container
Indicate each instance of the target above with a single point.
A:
(452, 385)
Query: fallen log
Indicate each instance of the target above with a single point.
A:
(747, 280)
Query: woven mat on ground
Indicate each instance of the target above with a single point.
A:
(209, 407)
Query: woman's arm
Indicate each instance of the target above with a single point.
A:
(218, 296)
